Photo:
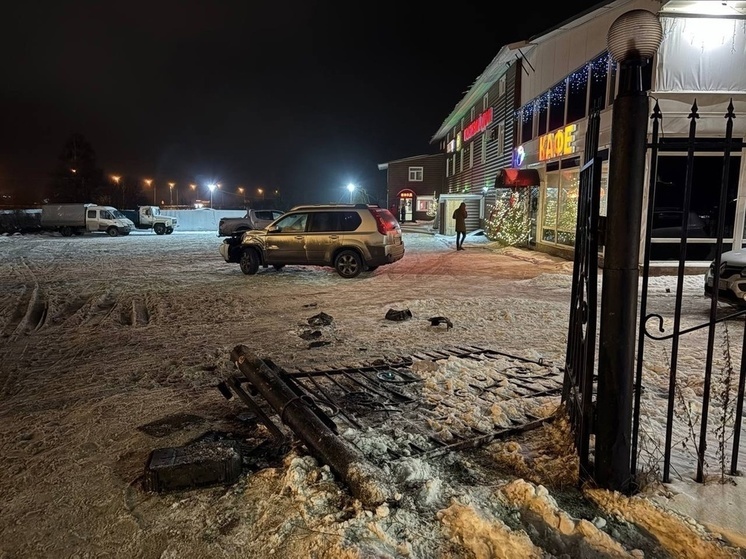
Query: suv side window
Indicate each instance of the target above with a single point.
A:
(324, 221)
(295, 223)
(350, 221)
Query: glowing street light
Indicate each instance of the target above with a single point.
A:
(351, 188)
(116, 178)
(171, 192)
(260, 191)
(212, 188)
(149, 182)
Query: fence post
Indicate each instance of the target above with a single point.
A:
(633, 40)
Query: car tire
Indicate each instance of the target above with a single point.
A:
(112, 232)
(249, 262)
(169, 230)
(348, 264)
(66, 231)
(159, 229)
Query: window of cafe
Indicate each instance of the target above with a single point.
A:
(560, 202)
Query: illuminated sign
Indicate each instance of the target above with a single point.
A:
(451, 146)
(458, 141)
(478, 125)
(519, 156)
(556, 144)
(406, 194)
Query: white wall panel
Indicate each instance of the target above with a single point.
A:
(560, 52)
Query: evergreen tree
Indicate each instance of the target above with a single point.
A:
(77, 178)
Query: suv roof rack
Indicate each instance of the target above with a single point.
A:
(322, 206)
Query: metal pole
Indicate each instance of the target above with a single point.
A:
(366, 481)
(618, 318)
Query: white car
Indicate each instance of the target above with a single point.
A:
(732, 288)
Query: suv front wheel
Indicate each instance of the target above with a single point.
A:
(249, 262)
(348, 264)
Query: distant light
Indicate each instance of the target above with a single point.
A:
(212, 187)
(351, 187)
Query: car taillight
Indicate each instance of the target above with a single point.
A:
(385, 221)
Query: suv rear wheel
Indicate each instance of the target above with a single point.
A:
(348, 264)
(249, 262)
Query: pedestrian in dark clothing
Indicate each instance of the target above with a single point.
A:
(459, 214)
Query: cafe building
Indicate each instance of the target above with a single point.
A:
(515, 140)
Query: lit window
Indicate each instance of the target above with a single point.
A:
(415, 174)
(425, 203)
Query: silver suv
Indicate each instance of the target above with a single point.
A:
(350, 238)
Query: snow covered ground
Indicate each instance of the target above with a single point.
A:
(103, 336)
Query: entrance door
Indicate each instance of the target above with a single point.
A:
(405, 210)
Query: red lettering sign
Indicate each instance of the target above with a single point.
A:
(478, 125)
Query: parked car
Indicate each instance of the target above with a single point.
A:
(350, 238)
(732, 287)
(254, 219)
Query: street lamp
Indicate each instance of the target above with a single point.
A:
(116, 178)
(171, 193)
(194, 189)
(632, 40)
(212, 188)
(240, 191)
(260, 191)
(149, 182)
(351, 188)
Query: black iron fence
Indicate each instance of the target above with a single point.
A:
(712, 369)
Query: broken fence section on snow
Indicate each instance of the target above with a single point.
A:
(311, 401)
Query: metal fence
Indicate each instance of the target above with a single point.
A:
(665, 331)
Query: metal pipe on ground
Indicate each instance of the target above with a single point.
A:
(366, 481)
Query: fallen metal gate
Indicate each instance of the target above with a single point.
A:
(388, 393)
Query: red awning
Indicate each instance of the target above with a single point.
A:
(510, 178)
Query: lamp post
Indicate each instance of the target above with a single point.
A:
(260, 192)
(116, 178)
(212, 188)
(241, 191)
(149, 182)
(194, 190)
(351, 189)
(633, 39)
(171, 193)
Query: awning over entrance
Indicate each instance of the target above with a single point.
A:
(510, 178)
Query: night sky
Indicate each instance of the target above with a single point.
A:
(302, 97)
